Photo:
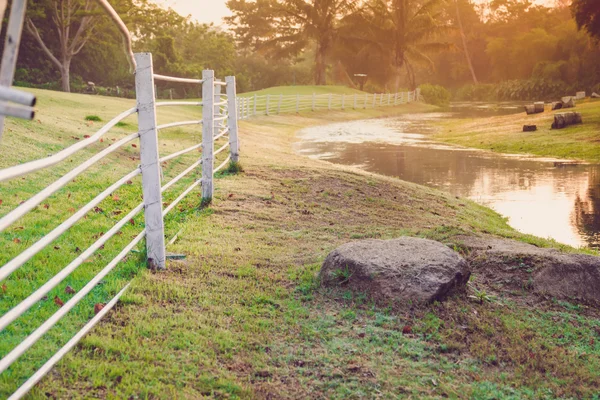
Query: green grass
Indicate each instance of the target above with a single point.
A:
(504, 134)
(243, 316)
(304, 90)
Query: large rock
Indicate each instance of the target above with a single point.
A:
(406, 270)
(563, 120)
(546, 271)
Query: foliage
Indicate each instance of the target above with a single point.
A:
(587, 15)
(480, 92)
(531, 89)
(285, 28)
(435, 94)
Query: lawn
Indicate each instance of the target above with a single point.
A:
(243, 315)
(504, 134)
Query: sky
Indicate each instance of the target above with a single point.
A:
(214, 10)
(201, 10)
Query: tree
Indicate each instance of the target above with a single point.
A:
(403, 32)
(71, 22)
(286, 27)
(464, 43)
(587, 16)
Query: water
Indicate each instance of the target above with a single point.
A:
(543, 197)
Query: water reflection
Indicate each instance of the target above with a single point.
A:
(537, 196)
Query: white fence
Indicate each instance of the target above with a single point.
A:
(251, 106)
(219, 122)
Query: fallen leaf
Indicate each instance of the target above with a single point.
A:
(0, 202)
(116, 198)
(129, 182)
(69, 195)
(131, 221)
(230, 195)
(58, 301)
(407, 329)
(133, 145)
(17, 240)
(46, 206)
(69, 290)
(98, 307)
(56, 247)
(4, 288)
(86, 136)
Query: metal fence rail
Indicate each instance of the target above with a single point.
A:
(219, 121)
(255, 105)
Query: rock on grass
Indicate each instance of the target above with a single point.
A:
(402, 271)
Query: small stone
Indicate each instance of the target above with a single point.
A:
(529, 128)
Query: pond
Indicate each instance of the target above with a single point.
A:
(543, 197)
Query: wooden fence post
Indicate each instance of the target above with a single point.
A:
(343, 101)
(366, 99)
(247, 107)
(254, 105)
(297, 103)
(279, 104)
(354, 102)
(389, 98)
(217, 125)
(313, 101)
(232, 119)
(150, 164)
(208, 144)
(329, 103)
(374, 99)
(268, 98)
(396, 99)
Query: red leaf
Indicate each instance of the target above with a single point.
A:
(17, 240)
(133, 145)
(86, 136)
(101, 140)
(131, 221)
(116, 198)
(98, 307)
(4, 288)
(46, 206)
(407, 329)
(0, 202)
(128, 182)
(69, 290)
(58, 301)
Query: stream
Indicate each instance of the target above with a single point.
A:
(543, 197)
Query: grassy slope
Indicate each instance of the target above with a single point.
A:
(504, 134)
(242, 316)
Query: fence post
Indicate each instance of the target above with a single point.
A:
(217, 113)
(343, 101)
(150, 164)
(268, 97)
(254, 105)
(313, 102)
(279, 104)
(208, 144)
(374, 99)
(247, 107)
(389, 98)
(354, 102)
(232, 119)
(396, 99)
(366, 99)
(329, 103)
(297, 103)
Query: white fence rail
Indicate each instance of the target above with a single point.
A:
(255, 105)
(219, 121)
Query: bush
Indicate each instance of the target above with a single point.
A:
(94, 118)
(531, 89)
(481, 92)
(435, 94)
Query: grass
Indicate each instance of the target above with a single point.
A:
(243, 316)
(504, 134)
(304, 90)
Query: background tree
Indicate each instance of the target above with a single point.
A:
(587, 16)
(287, 27)
(70, 23)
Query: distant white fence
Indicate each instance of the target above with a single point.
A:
(219, 121)
(251, 106)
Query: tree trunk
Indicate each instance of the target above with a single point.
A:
(464, 41)
(65, 76)
(320, 67)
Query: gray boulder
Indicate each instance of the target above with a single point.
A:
(545, 271)
(406, 270)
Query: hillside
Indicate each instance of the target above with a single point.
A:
(243, 315)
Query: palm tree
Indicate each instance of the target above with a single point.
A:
(402, 32)
(287, 27)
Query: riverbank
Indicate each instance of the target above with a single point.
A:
(503, 134)
(243, 316)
